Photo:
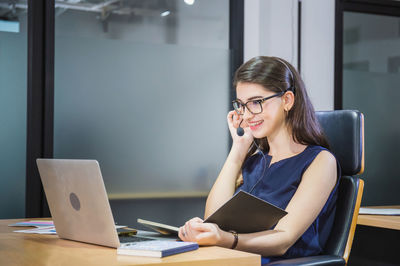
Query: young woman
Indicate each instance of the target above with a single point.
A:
(282, 157)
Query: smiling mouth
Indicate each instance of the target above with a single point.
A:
(255, 125)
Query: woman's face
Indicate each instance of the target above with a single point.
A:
(272, 118)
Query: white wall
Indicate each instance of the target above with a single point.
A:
(270, 28)
(318, 51)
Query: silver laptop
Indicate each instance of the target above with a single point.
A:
(78, 201)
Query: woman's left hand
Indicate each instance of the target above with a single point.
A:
(195, 230)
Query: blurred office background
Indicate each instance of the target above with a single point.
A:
(144, 86)
(141, 86)
(143, 89)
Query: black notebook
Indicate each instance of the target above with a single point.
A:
(243, 213)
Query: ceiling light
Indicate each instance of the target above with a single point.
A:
(189, 2)
(165, 13)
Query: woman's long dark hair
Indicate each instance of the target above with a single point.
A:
(277, 75)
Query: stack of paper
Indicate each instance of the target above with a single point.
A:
(44, 230)
(41, 227)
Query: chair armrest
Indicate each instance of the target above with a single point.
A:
(311, 261)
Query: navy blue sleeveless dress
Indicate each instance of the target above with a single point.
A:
(277, 183)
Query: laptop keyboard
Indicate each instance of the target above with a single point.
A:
(127, 239)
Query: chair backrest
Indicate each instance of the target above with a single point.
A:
(345, 132)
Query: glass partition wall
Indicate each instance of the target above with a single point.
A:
(142, 87)
(371, 78)
(13, 93)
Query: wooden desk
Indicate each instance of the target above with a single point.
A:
(33, 249)
(382, 221)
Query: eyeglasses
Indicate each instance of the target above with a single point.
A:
(254, 106)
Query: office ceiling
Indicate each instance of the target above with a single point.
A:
(9, 9)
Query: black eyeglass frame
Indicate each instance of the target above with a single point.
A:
(260, 102)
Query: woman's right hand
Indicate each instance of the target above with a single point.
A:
(241, 142)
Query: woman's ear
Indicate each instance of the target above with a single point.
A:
(288, 100)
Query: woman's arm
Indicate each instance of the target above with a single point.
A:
(313, 192)
(224, 186)
(314, 189)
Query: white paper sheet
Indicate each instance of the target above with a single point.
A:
(373, 211)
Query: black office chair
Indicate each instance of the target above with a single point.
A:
(345, 132)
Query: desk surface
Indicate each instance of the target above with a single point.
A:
(33, 249)
(383, 221)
